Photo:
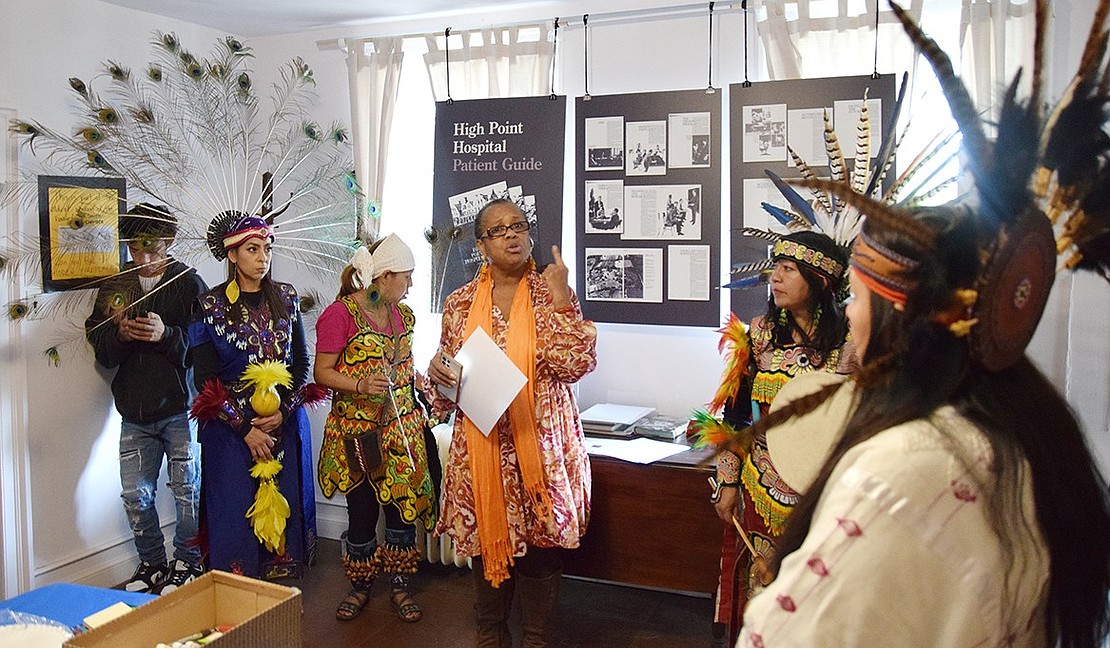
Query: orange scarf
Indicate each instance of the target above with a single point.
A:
(485, 451)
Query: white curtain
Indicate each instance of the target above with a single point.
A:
(988, 40)
(486, 63)
(996, 39)
(822, 38)
(374, 72)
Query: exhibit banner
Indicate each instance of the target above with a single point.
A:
(772, 122)
(509, 148)
(648, 169)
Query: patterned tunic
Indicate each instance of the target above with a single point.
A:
(228, 489)
(766, 498)
(403, 478)
(565, 352)
(901, 552)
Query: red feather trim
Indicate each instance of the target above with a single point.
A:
(210, 403)
(311, 394)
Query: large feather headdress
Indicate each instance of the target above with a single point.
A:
(816, 208)
(1036, 174)
(193, 133)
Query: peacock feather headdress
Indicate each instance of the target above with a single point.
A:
(194, 134)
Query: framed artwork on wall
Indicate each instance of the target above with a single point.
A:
(79, 229)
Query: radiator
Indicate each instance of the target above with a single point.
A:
(441, 550)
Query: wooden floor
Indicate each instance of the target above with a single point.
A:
(589, 615)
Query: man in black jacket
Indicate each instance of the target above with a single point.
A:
(138, 326)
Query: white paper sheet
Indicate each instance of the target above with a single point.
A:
(490, 380)
(641, 451)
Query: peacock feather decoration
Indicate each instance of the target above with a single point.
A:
(194, 133)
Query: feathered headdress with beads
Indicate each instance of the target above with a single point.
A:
(1042, 189)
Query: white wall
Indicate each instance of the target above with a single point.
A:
(79, 528)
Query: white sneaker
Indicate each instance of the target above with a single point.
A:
(180, 572)
(147, 576)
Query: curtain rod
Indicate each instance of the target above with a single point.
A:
(628, 15)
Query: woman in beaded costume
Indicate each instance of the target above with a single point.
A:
(247, 320)
(364, 354)
(804, 330)
(961, 506)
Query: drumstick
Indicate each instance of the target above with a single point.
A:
(744, 536)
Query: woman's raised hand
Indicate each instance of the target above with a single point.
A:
(555, 274)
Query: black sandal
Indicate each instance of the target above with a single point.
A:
(352, 605)
(405, 606)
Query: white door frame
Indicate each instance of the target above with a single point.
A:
(15, 492)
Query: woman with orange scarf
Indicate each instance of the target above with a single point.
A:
(513, 500)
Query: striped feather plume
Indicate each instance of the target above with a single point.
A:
(861, 169)
(1073, 183)
(889, 215)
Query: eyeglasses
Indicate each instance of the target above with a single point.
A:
(497, 231)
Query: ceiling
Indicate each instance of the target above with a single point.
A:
(269, 17)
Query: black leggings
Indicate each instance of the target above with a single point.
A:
(362, 514)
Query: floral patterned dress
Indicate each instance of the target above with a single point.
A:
(565, 352)
(402, 479)
(766, 499)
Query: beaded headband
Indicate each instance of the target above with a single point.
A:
(816, 259)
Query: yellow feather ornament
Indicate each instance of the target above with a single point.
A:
(736, 345)
(270, 509)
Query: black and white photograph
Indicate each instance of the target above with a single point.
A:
(605, 143)
(805, 135)
(604, 206)
(688, 140)
(765, 133)
(624, 274)
(465, 206)
(756, 192)
(527, 204)
(662, 212)
(646, 148)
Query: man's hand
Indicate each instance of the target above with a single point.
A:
(147, 328)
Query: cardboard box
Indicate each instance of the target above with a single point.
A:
(264, 615)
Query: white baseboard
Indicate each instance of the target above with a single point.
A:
(112, 565)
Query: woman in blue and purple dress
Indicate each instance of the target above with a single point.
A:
(249, 319)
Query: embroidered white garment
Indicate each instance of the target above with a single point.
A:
(901, 553)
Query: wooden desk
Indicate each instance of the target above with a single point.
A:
(651, 525)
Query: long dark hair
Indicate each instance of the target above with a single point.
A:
(913, 366)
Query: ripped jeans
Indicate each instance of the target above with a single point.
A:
(141, 448)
